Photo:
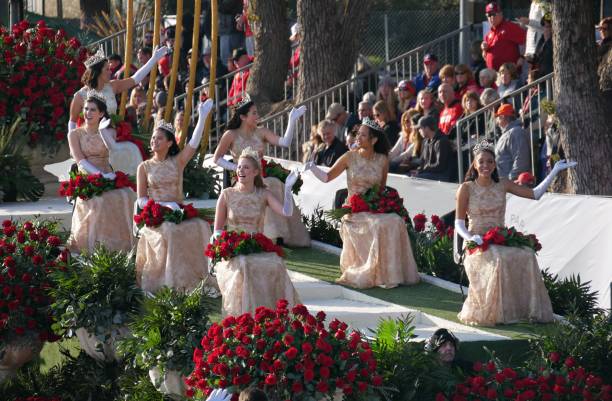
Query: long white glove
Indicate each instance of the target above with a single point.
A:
(219, 394)
(226, 164)
(216, 234)
(108, 134)
(171, 205)
(561, 165)
(465, 234)
(88, 167)
(110, 176)
(203, 110)
(142, 201)
(320, 174)
(288, 202)
(71, 125)
(294, 114)
(145, 69)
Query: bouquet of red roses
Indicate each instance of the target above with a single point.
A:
(232, 243)
(29, 252)
(291, 354)
(270, 168)
(506, 236)
(86, 186)
(374, 200)
(154, 214)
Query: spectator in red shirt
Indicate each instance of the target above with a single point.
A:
(239, 84)
(294, 62)
(451, 112)
(242, 24)
(504, 41)
(464, 79)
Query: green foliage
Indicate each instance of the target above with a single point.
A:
(200, 182)
(167, 330)
(570, 295)
(98, 292)
(321, 229)
(404, 365)
(16, 179)
(588, 340)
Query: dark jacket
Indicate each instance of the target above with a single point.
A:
(391, 131)
(436, 154)
(329, 155)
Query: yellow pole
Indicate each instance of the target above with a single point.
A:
(193, 64)
(128, 52)
(153, 73)
(214, 34)
(176, 59)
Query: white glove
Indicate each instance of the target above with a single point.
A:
(71, 125)
(88, 167)
(142, 201)
(320, 174)
(145, 69)
(203, 110)
(108, 137)
(171, 205)
(104, 123)
(219, 394)
(294, 114)
(110, 176)
(226, 164)
(465, 234)
(216, 234)
(561, 165)
(288, 202)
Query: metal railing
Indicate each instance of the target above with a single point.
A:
(115, 43)
(350, 92)
(527, 101)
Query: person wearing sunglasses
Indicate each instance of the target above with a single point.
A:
(504, 42)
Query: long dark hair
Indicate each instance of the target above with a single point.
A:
(382, 144)
(99, 104)
(91, 75)
(235, 121)
(472, 173)
(174, 148)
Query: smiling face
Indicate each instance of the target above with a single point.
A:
(364, 140)
(426, 100)
(251, 117)
(328, 134)
(484, 163)
(159, 142)
(246, 170)
(91, 113)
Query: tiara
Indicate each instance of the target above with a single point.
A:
(249, 151)
(484, 145)
(161, 124)
(245, 99)
(96, 58)
(96, 95)
(368, 122)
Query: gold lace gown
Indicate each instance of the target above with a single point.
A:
(291, 229)
(376, 248)
(172, 254)
(249, 281)
(506, 285)
(104, 219)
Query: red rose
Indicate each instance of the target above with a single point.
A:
(8, 261)
(362, 386)
(19, 331)
(570, 362)
(291, 353)
(308, 375)
(271, 379)
(322, 387)
(297, 388)
(324, 372)
(54, 240)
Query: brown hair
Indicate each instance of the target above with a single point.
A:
(91, 75)
(382, 107)
(463, 68)
(511, 68)
(257, 166)
(470, 95)
(447, 71)
(253, 394)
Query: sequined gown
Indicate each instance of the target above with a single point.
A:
(172, 254)
(376, 248)
(506, 285)
(249, 281)
(291, 229)
(104, 219)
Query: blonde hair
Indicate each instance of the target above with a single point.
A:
(382, 107)
(256, 164)
(407, 119)
(325, 124)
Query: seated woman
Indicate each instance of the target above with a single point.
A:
(242, 132)
(376, 249)
(105, 219)
(505, 282)
(259, 279)
(171, 254)
(400, 155)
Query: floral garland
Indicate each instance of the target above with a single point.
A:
(231, 243)
(374, 200)
(290, 354)
(506, 236)
(154, 214)
(270, 168)
(87, 186)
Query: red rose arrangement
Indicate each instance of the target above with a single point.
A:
(29, 252)
(437, 228)
(43, 68)
(232, 243)
(374, 200)
(506, 236)
(560, 381)
(270, 168)
(288, 353)
(154, 214)
(86, 186)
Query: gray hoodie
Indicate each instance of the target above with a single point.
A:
(512, 151)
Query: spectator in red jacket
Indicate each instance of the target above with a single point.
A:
(239, 84)
(464, 79)
(451, 112)
(504, 41)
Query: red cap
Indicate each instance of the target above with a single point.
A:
(492, 8)
(525, 178)
(505, 110)
(406, 85)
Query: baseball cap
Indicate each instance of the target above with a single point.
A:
(406, 85)
(505, 110)
(237, 53)
(426, 122)
(492, 8)
(430, 57)
(525, 178)
(295, 29)
(334, 110)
